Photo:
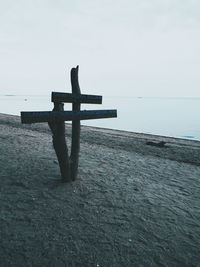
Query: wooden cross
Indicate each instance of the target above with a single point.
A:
(56, 120)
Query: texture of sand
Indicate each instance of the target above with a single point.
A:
(131, 205)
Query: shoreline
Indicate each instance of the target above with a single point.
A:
(132, 204)
(125, 132)
(10, 118)
(178, 149)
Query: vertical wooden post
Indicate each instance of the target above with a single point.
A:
(59, 144)
(75, 147)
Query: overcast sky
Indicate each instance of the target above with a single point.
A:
(123, 47)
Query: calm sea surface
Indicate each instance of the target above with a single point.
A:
(177, 117)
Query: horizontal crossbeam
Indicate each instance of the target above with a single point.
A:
(75, 98)
(55, 116)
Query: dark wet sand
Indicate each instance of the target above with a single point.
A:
(133, 204)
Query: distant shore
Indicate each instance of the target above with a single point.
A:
(133, 204)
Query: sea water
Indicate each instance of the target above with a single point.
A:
(177, 117)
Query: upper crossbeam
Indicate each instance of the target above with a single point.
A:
(75, 98)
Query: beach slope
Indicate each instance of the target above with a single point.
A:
(133, 203)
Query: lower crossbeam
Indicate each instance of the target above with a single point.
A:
(55, 116)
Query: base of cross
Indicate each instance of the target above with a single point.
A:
(56, 120)
(60, 146)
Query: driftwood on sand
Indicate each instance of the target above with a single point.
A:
(158, 144)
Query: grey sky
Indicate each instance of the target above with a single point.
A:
(123, 47)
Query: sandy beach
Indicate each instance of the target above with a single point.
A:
(132, 204)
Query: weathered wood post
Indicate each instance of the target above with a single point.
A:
(76, 126)
(59, 143)
(56, 121)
